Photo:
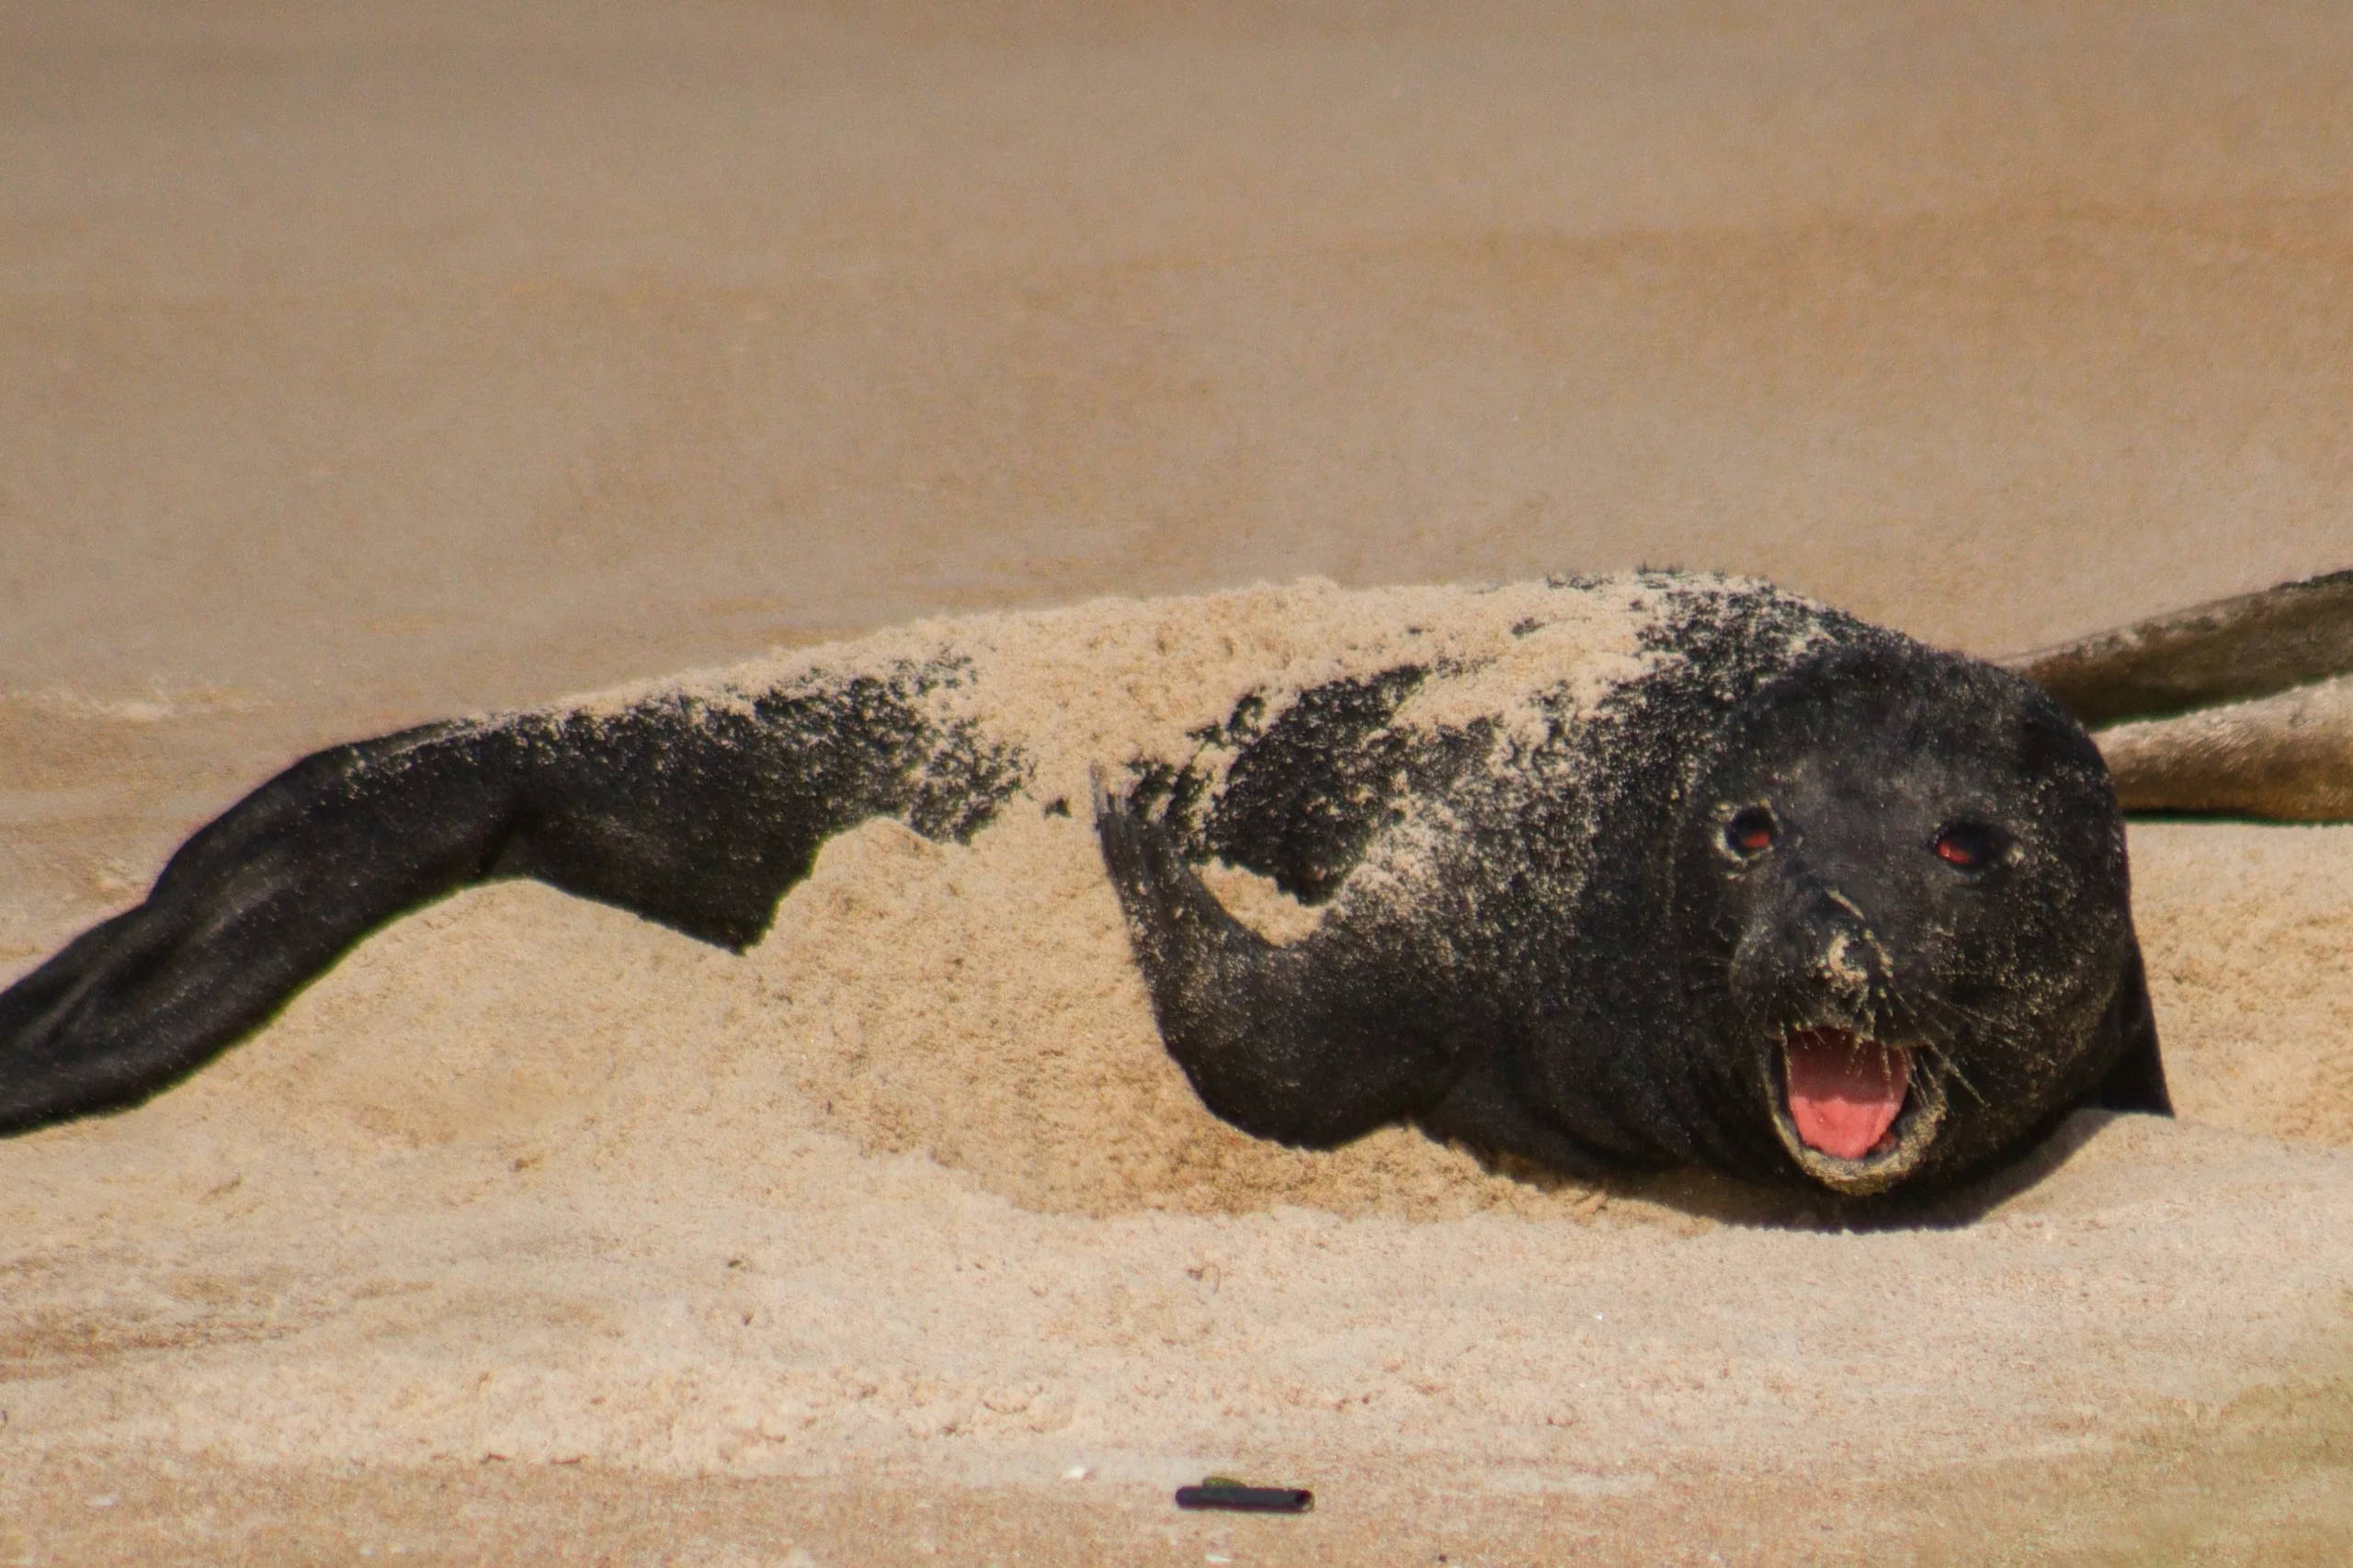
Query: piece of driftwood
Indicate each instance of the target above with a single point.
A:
(2240, 707)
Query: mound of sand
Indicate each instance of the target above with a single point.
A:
(913, 1188)
(360, 365)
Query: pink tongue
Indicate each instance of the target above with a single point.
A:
(1845, 1091)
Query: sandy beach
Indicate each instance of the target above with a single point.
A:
(364, 367)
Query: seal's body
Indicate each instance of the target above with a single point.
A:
(1612, 872)
(1784, 894)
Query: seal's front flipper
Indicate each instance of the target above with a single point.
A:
(1311, 1043)
(697, 814)
(2242, 706)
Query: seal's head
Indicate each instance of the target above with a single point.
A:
(1901, 896)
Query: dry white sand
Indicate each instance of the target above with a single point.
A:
(910, 1196)
(355, 368)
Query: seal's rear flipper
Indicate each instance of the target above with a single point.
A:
(699, 815)
(1311, 1044)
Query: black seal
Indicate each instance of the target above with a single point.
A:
(1777, 893)
(1805, 901)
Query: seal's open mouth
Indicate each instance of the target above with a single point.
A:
(1853, 1110)
(1845, 1091)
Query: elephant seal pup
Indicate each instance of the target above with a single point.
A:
(1612, 873)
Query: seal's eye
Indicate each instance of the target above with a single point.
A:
(1969, 846)
(1751, 832)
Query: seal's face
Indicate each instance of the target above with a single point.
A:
(1901, 892)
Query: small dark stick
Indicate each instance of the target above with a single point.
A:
(1223, 1492)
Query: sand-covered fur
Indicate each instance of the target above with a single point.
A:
(1622, 873)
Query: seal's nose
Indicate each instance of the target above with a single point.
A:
(1845, 965)
(1811, 955)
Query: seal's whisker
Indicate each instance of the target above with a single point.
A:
(1938, 1041)
(1975, 1015)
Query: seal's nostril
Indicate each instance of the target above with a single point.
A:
(1842, 963)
